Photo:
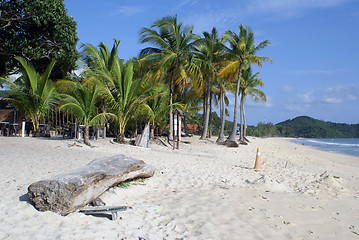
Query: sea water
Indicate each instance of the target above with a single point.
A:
(349, 146)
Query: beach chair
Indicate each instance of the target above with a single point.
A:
(97, 210)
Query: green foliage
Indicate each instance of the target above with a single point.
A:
(4, 93)
(196, 118)
(38, 30)
(305, 127)
(312, 128)
(127, 183)
(33, 93)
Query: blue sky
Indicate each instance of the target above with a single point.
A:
(314, 46)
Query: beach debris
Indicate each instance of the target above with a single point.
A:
(257, 163)
(73, 145)
(67, 192)
(100, 210)
(97, 202)
(142, 139)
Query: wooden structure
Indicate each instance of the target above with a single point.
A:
(177, 117)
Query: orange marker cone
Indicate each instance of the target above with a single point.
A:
(257, 164)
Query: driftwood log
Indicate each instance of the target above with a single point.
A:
(67, 192)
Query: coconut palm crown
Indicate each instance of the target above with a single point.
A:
(171, 53)
(242, 50)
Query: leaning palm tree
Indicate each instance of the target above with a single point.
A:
(80, 98)
(171, 53)
(208, 55)
(242, 50)
(249, 84)
(33, 93)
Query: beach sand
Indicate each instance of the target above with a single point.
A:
(202, 191)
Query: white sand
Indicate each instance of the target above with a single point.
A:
(203, 191)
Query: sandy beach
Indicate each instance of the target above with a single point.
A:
(202, 191)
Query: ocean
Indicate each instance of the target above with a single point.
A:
(348, 146)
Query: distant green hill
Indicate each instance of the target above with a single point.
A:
(312, 128)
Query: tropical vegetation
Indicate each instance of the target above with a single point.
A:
(39, 31)
(176, 70)
(305, 127)
(32, 92)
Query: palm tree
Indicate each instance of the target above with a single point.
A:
(207, 56)
(80, 98)
(33, 93)
(249, 83)
(242, 50)
(100, 58)
(171, 53)
(222, 85)
(125, 95)
(157, 108)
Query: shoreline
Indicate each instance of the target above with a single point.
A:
(202, 191)
(322, 148)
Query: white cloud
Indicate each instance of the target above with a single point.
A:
(288, 89)
(303, 101)
(224, 14)
(280, 5)
(127, 11)
(340, 94)
(252, 103)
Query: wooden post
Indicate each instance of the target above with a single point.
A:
(178, 128)
(23, 128)
(173, 132)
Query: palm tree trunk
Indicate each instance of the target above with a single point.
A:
(245, 125)
(208, 110)
(86, 136)
(170, 134)
(210, 118)
(152, 131)
(241, 135)
(232, 137)
(220, 138)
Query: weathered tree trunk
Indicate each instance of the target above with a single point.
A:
(67, 192)
(87, 136)
(241, 134)
(220, 138)
(245, 125)
(170, 135)
(210, 118)
(152, 131)
(232, 137)
(207, 112)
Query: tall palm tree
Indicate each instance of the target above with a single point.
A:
(242, 50)
(208, 56)
(249, 84)
(80, 98)
(33, 93)
(222, 85)
(171, 53)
